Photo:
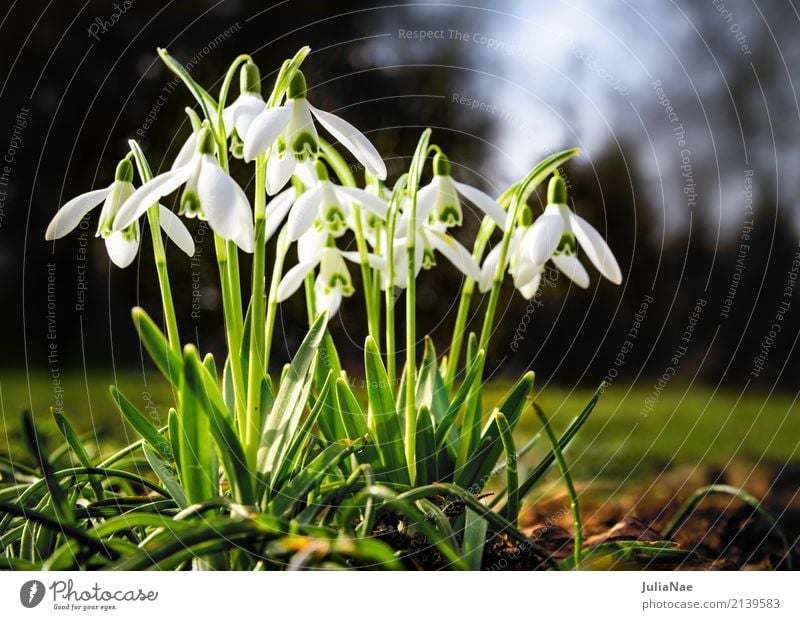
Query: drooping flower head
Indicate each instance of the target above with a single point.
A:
(288, 133)
(209, 193)
(121, 244)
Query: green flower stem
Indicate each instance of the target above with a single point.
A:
(257, 362)
(415, 175)
(311, 302)
(272, 304)
(346, 177)
(390, 299)
(153, 218)
(232, 332)
(454, 353)
(573, 497)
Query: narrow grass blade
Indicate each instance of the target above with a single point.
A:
(154, 341)
(512, 480)
(141, 424)
(166, 475)
(77, 448)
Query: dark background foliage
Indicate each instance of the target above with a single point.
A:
(86, 95)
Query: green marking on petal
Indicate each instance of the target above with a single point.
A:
(450, 215)
(567, 245)
(304, 146)
(428, 259)
(190, 204)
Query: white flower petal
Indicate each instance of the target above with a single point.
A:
(277, 209)
(326, 300)
(529, 288)
(120, 250)
(149, 194)
(225, 204)
(306, 173)
(369, 201)
(264, 131)
(596, 248)
(71, 214)
(352, 139)
(571, 267)
(426, 198)
(293, 279)
(311, 245)
(187, 152)
(279, 171)
(484, 202)
(454, 252)
(302, 215)
(544, 235)
(176, 230)
(489, 269)
(243, 111)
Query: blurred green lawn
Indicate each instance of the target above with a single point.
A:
(622, 439)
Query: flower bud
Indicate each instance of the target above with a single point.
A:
(557, 191)
(525, 217)
(441, 165)
(249, 78)
(206, 145)
(297, 87)
(124, 171)
(321, 170)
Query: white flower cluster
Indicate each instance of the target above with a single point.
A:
(317, 211)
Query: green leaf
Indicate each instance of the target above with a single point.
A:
(297, 490)
(206, 101)
(382, 417)
(61, 504)
(167, 362)
(481, 461)
(544, 465)
(512, 480)
(142, 425)
(195, 462)
(430, 386)
(353, 418)
(166, 475)
(290, 401)
(77, 447)
(426, 447)
(220, 424)
(475, 528)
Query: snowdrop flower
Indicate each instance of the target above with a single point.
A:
(288, 132)
(329, 206)
(525, 273)
(431, 238)
(122, 245)
(209, 193)
(558, 232)
(240, 114)
(439, 199)
(554, 236)
(333, 281)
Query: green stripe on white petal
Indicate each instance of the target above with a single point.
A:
(596, 248)
(326, 299)
(122, 246)
(176, 230)
(570, 266)
(302, 215)
(454, 252)
(484, 202)
(544, 235)
(264, 130)
(334, 273)
(70, 215)
(353, 140)
(293, 279)
(150, 193)
(446, 206)
(225, 204)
